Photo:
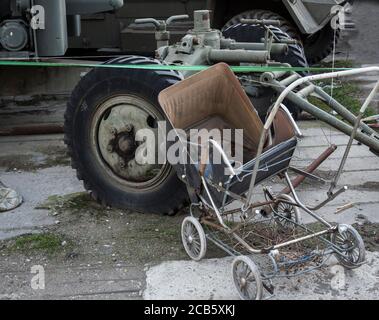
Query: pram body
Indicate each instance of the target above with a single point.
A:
(215, 100)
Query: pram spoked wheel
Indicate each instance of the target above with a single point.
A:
(247, 278)
(193, 238)
(351, 244)
(285, 213)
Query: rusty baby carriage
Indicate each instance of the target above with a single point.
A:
(263, 231)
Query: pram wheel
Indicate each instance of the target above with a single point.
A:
(285, 214)
(351, 245)
(193, 238)
(247, 278)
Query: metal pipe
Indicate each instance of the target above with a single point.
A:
(224, 157)
(303, 80)
(287, 81)
(351, 140)
(300, 178)
(246, 245)
(157, 24)
(74, 25)
(262, 142)
(261, 145)
(237, 56)
(32, 130)
(302, 206)
(311, 168)
(342, 111)
(365, 139)
(277, 48)
(34, 32)
(269, 76)
(307, 91)
(172, 19)
(369, 99)
(218, 214)
(310, 236)
(330, 198)
(295, 127)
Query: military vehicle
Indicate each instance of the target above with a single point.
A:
(41, 28)
(91, 26)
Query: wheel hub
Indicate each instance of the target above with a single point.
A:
(288, 214)
(347, 244)
(118, 122)
(124, 145)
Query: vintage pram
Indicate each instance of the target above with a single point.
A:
(265, 234)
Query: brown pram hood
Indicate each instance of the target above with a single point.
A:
(212, 99)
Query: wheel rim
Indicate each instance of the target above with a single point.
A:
(285, 213)
(245, 280)
(113, 136)
(348, 244)
(193, 243)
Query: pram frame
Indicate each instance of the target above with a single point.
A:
(247, 204)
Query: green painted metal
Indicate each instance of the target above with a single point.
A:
(237, 69)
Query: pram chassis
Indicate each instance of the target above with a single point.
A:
(243, 254)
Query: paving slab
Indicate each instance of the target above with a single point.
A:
(211, 279)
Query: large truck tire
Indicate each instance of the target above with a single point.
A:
(285, 25)
(316, 47)
(106, 109)
(321, 44)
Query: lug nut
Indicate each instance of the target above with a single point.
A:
(114, 131)
(110, 148)
(122, 164)
(129, 128)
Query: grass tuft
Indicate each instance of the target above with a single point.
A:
(346, 92)
(45, 242)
